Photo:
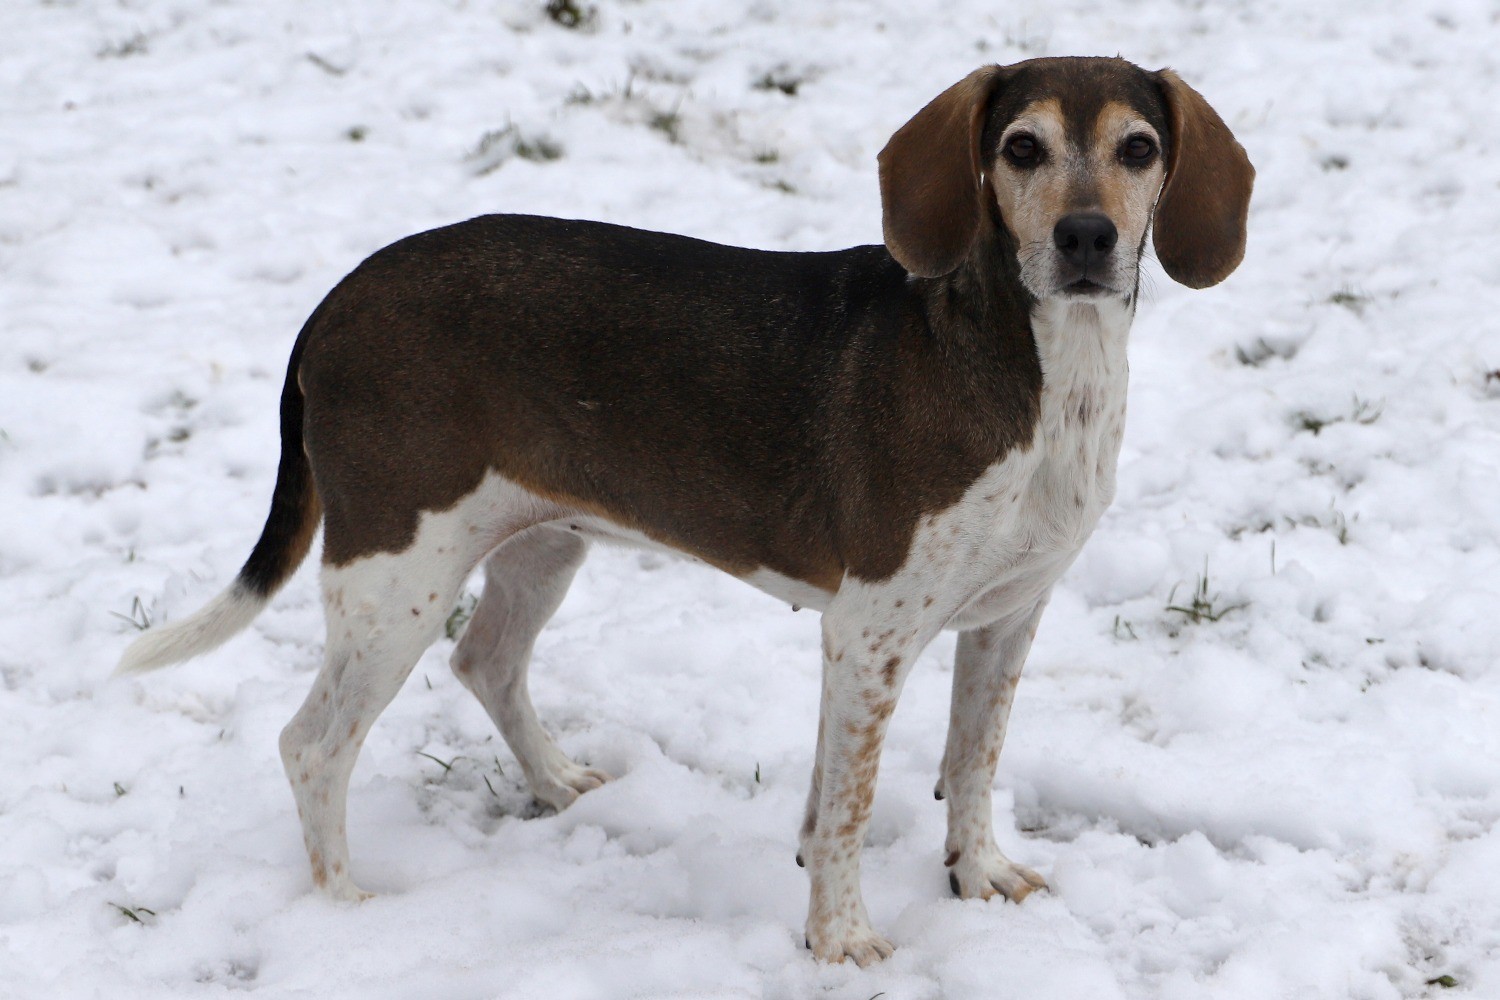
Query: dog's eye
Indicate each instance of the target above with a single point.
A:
(1022, 150)
(1138, 150)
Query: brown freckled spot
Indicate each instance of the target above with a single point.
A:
(952, 859)
(324, 699)
(320, 876)
(358, 655)
(900, 603)
(889, 671)
(352, 727)
(865, 634)
(416, 612)
(927, 601)
(990, 497)
(303, 776)
(431, 598)
(338, 868)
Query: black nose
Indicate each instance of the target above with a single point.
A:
(1084, 238)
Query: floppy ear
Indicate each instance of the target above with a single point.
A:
(1200, 220)
(930, 178)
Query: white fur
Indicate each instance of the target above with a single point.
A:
(207, 628)
(382, 612)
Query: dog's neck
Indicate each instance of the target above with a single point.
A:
(985, 297)
(984, 307)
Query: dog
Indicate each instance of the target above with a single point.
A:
(907, 438)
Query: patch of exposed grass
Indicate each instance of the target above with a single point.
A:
(133, 913)
(782, 79)
(460, 615)
(572, 15)
(446, 765)
(1363, 412)
(1202, 606)
(1350, 299)
(139, 618)
(135, 45)
(497, 146)
(1262, 350)
(668, 123)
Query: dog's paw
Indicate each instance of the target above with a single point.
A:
(852, 937)
(982, 874)
(341, 889)
(563, 781)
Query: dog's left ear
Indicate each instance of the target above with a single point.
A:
(1199, 230)
(930, 174)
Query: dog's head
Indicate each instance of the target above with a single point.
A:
(1075, 154)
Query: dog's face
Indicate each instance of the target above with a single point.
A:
(1072, 156)
(1074, 162)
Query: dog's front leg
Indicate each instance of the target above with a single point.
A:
(986, 673)
(865, 662)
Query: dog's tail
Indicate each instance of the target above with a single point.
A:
(288, 534)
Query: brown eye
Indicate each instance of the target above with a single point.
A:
(1021, 150)
(1138, 149)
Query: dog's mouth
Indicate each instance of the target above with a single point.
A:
(1086, 288)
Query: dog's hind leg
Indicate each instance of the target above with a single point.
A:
(382, 611)
(524, 582)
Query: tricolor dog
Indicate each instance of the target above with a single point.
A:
(907, 437)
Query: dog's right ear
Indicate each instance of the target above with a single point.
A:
(931, 174)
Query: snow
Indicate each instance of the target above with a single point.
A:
(1299, 799)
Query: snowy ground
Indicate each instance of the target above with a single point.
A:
(1297, 800)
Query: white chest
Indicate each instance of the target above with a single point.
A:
(1025, 521)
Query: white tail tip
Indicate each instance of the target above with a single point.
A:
(196, 634)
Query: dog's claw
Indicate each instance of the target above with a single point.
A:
(563, 781)
(987, 874)
(865, 948)
(800, 862)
